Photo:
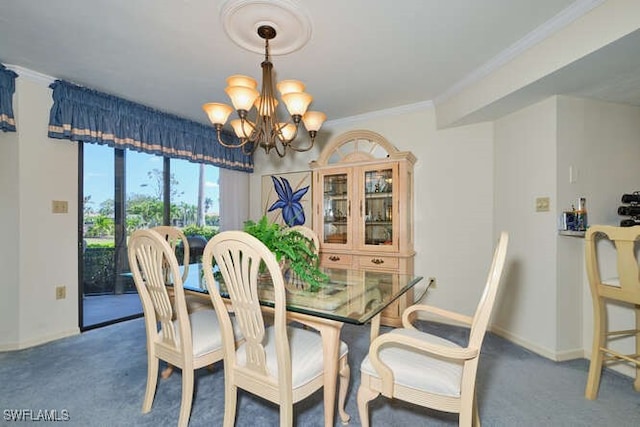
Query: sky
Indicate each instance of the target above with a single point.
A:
(99, 176)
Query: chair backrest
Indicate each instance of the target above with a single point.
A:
(239, 256)
(176, 238)
(309, 234)
(626, 285)
(150, 257)
(485, 306)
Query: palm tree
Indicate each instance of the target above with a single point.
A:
(201, 201)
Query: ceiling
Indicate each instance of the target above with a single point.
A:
(361, 56)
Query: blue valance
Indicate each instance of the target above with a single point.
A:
(82, 114)
(7, 88)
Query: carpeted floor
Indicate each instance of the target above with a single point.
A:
(99, 378)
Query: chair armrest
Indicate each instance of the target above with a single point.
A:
(406, 315)
(386, 375)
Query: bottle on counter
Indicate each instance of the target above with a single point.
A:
(581, 215)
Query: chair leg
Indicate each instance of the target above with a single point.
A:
(467, 411)
(152, 381)
(187, 396)
(286, 414)
(365, 395)
(476, 413)
(230, 402)
(599, 337)
(636, 383)
(345, 375)
(166, 372)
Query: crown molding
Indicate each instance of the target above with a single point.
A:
(558, 22)
(35, 76)
(393, 111)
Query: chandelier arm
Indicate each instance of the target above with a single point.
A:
(300, 150)
(278, 147)
(242, 143)
(281, 136)
(250, 151)
(244, 122)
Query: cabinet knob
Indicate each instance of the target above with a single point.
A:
(334, 258)
(377, 261)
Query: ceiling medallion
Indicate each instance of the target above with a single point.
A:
(241, 20)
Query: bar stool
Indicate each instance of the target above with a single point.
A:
(623, 288)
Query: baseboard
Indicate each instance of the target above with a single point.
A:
(544, 352)
(38, 341)
(556, 356)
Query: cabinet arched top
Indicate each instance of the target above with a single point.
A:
(358, 146)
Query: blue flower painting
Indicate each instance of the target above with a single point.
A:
(289, 201)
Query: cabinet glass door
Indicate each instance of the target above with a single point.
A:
(378, 206)
(337, 208)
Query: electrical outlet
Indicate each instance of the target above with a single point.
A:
(432, 282)
(61, 292)
(542, 204)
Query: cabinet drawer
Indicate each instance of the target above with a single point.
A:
(376, 261)
(328, 260)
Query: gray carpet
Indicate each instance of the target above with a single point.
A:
(99, 378)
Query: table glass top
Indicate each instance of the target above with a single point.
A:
(351, 296)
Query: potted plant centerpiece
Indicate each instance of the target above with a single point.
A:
(294, 252)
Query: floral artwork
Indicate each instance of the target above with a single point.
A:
(287, 199)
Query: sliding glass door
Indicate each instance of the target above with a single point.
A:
(125, 190)
(107, 293)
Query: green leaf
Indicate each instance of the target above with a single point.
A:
(291, 246)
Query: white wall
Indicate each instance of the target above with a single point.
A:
(43, 246)
(571, 185)
(453, 197)
(9, 249)
(525, 168)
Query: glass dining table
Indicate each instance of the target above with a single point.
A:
(350, 296)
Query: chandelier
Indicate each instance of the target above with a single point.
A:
(266, 131)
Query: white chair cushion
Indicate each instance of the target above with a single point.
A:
(306, 354)
(205, 331)
(419, 370)
(612, 281)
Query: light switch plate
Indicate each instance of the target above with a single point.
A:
(61, 292)
(59, 206)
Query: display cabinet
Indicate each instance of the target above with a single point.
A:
(363, 207)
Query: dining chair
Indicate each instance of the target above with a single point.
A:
(623, 287)
(426, 370)
(280, 363)
(176, 239)
(180, 244)
(186, 340)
